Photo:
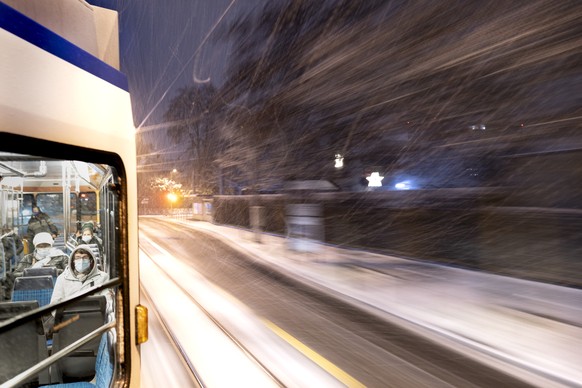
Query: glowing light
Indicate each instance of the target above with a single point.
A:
(404, 185)
(172, 197)
(481, 127)
(375, 180)
(339, 161)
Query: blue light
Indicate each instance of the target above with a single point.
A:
(404, 185)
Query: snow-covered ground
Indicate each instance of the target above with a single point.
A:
(529, 329)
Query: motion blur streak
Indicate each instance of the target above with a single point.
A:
(163, 363)
(243, 336)
(202, 341)
(345, 311)
(318, 359)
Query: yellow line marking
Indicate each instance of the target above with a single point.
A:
(314, 356)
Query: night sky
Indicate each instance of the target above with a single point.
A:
(168, 45)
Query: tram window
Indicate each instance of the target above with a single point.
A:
(27, 202)
(78, 192)
(88, 202)
(82, 210)
(52, 205)
(86, 209)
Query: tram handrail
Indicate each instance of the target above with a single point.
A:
(32, 371)
(11, 322)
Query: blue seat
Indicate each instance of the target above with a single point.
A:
(96, 255)
(39, 288)
(103, 369)
(22, 346)
(52, 271)
(59, 242)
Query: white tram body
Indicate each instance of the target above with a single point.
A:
(59, 92)
(63, 99)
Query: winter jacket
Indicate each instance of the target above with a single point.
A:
(55, 258)
(13, 249)
(40, 223)
(70, 283)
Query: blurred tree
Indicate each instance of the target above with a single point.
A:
(160, 187)
(269, 137)
(149, 164)
(192, 129)
(167, 185)
(396, 84)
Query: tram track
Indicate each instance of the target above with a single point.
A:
(196, 379)
(327, 325)
(150, 250)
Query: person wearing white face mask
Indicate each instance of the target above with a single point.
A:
(81, 275)
(44, 255)
(88, 236)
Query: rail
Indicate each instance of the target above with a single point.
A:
(32, 371)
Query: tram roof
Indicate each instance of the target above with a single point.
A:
(17, 170)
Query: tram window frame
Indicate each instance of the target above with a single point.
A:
(113, 188)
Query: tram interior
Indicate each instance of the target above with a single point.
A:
(71, 193)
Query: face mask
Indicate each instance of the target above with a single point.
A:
(42, 252)
(82, 265)
(86, 239)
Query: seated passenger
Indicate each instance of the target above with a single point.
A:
(44, 255)
(12, 252)
(40, 222)
(81, 275)
(13, 246)
(88, 236)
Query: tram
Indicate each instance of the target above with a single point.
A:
(67, 147)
